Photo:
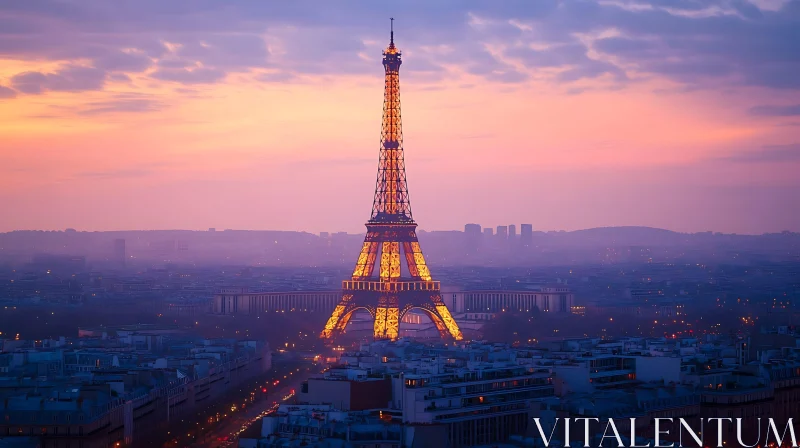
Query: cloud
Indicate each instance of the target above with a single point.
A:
(591, 69)
(110, 174)
(486, 65)
(29, 82)
(731, 41)
(507, 76)
(174, 62)
(225, 51)
(121, 105)
(768, 154)
(275, 77)
(119, 77)
(712, 43)
(775, 111)
(122, 61)
(5, 92)
(554, 56)
(126, 172)
(68, 79)
(199, 75)
(327, 162)
(571, 57)
(44, 116)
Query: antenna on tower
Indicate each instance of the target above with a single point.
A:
(391, 27)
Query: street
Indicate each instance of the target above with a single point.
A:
(226, 431)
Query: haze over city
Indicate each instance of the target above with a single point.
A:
(265, 115)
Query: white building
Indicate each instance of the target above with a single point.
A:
(482, 404)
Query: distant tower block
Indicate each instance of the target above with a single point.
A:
(472, 238)
(526, 235)
(391, 237)
(502, 232)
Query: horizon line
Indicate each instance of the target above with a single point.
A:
(209, 230)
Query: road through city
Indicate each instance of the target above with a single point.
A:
(226, 432)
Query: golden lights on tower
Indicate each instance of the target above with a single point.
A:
(390, 230)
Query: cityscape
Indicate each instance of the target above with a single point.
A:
(500, 333)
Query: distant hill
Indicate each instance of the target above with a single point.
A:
(616, 236)
(289, 248)
(630, 231)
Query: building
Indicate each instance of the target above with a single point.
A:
(472, 228)
(472, 238)
(322, 426)
(477, 406)
(481, 304)
(487, 394)
(557, 299)
(526, 235)
(512, 233)
(502, 233)
(474, 394)
(644, 294)
(117, 389)
(348, 390)
(578, 310)
(240, 301)
(590, 373)
(488, 232)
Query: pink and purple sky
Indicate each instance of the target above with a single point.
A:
(571, 114)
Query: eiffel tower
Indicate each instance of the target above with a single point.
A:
(391, 230)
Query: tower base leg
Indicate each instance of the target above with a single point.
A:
(387, 319)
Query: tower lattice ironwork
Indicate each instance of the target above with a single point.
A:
(391, 237)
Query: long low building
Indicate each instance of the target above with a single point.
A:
(549, 298)
(240, 300)
(477, 406)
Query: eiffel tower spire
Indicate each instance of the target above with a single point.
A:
(391, 203)
(391, 230)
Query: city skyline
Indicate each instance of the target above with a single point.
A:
(155, 117)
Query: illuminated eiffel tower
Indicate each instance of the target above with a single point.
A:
(390, 231)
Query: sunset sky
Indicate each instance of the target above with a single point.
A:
(189, 114)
